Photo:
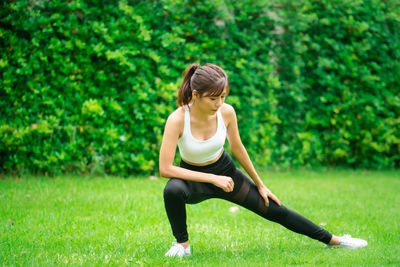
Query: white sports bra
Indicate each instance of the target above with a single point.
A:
(196, 151)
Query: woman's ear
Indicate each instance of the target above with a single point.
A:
(195, 94)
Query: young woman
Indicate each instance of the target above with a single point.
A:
(199, 127)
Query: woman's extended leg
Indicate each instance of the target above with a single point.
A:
(246, 194)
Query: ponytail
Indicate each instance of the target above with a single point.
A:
(185, 91)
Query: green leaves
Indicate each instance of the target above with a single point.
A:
(343, 79)
(92, 108)
(312, 82)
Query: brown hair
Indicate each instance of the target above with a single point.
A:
(208, 78)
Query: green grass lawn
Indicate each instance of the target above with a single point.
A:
(116, 221)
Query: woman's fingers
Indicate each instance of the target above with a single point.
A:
(265, 193)
(266, 200)
(273, 197)
(228, 188)
(231, 185)
(228, 184)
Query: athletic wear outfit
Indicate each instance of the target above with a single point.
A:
(179, 192)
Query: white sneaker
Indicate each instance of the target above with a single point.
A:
(347, 241)
(177, 250)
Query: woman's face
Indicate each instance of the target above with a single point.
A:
(210, 104)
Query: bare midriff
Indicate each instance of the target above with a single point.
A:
(205, 163)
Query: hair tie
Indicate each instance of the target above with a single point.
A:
(195, 67)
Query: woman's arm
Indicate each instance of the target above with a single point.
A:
(240, 153)
(173, 127)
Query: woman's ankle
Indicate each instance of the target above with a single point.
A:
(334, 241)
(184, 244)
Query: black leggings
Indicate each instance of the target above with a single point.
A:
(179, 192)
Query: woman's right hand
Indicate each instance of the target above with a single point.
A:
(224, 182)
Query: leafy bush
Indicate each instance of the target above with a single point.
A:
(86, 87)
(341, 74)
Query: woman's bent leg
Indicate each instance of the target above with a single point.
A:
(176, 192)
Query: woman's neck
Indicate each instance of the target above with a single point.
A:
(197, 113)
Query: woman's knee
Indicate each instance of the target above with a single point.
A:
(175, 188)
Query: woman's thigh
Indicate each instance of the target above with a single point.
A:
(245, 193)
(190, 192)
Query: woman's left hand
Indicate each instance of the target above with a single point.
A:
(265, 193)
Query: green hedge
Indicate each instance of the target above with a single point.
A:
(341, 77)
(86, 87)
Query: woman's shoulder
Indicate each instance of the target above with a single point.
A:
(227, 110)
(177, 117)
(228, 114)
